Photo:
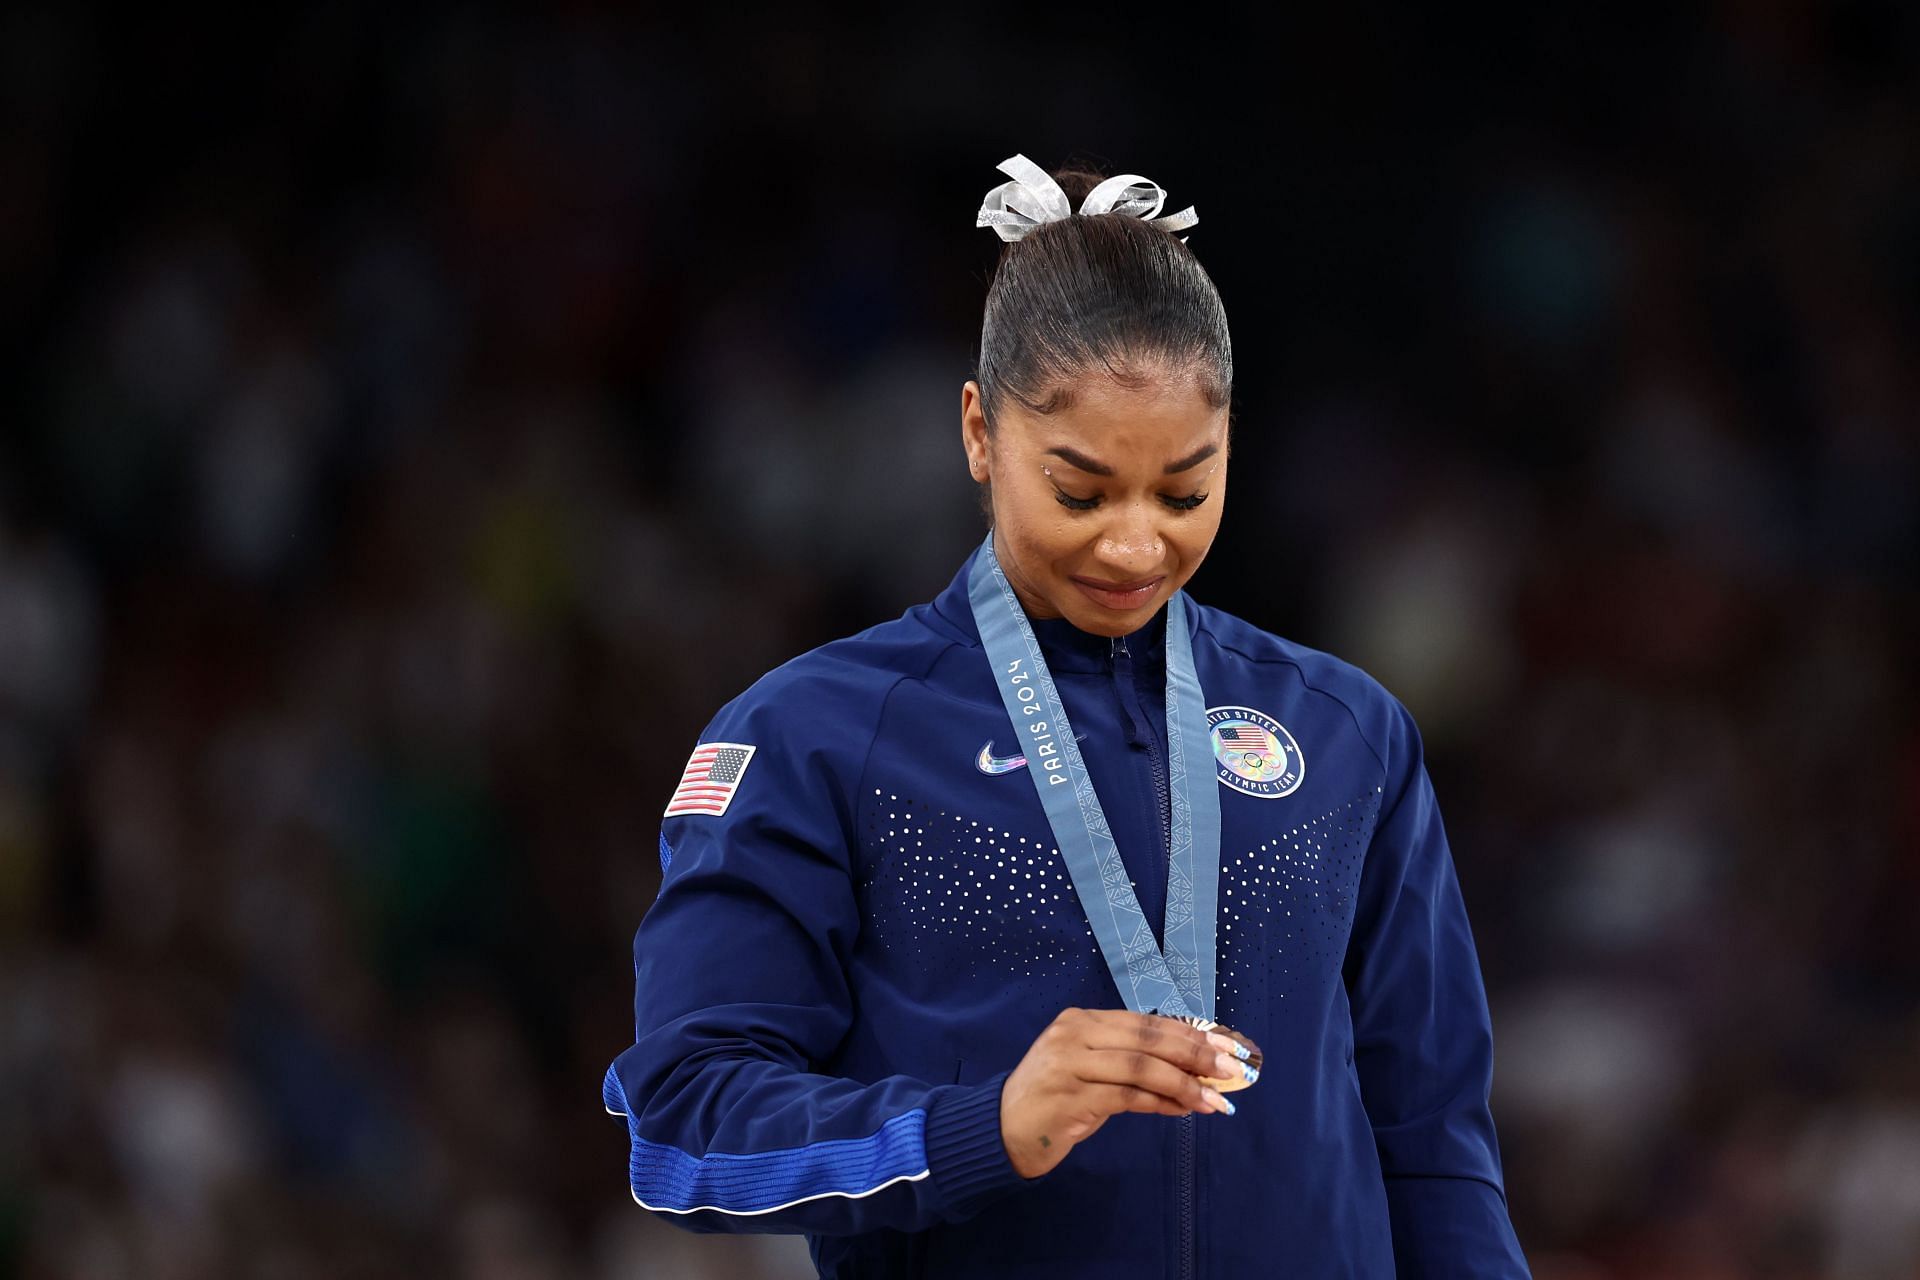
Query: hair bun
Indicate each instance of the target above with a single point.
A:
(1033, 198)
(1078, 181)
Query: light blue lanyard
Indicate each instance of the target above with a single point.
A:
(1180, 982)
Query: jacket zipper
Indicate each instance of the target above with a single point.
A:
(1184, 1160)
(1189, 1260)
(1130, 707)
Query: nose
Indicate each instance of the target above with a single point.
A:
(1131, 546)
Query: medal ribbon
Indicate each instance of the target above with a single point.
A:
(1180, 980)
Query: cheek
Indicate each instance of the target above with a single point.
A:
(1193, 538)
(1036, 527)
(1043, 542)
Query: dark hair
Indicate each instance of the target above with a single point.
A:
(1104, 291)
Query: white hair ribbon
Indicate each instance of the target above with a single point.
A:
(1015, 208)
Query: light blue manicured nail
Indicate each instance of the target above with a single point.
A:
(1228, 1104)
(1241, 1051)
(1253, 1073)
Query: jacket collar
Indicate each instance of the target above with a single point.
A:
(1067, 647)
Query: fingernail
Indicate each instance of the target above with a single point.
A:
(1227, 1044)
(1252, 1073)
(1224, 1067)
(1215, 1099)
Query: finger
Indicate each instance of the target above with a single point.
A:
(1116, 1028)
(1112, 1099)
(1186, 1047)
(1142, 1070)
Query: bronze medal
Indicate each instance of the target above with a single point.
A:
(1253, 1059)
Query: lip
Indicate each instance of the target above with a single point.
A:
(1120, 597)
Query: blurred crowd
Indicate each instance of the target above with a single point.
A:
(417, 426)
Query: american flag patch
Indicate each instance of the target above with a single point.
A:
(712, 776)
(1245, 735)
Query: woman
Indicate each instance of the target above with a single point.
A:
(949, 908)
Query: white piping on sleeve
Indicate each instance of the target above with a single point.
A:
(749, 1213)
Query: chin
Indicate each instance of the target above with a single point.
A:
(1108, 626)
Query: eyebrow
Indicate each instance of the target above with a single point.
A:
(1077, 459)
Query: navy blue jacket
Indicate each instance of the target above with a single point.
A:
(844, 964)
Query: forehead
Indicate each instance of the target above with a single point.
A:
(1157, 419)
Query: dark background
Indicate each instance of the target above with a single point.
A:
(417, 424)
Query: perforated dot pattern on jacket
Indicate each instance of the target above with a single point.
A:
(1286, 905)
(960, 897)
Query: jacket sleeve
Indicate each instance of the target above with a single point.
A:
(742, 993)
(1423, 1041)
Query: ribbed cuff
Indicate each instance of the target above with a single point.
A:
(965, 1154)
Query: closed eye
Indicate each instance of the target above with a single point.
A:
(1072, 503)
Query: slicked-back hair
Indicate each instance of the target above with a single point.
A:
(1103, 293)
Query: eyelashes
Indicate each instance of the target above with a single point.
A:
(1072, 503)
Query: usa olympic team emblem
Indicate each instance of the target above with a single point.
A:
(1255, 753)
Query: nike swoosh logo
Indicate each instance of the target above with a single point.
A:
(993, 765)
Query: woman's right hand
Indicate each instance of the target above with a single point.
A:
(1090, 1064)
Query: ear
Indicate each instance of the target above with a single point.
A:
(973, 433)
